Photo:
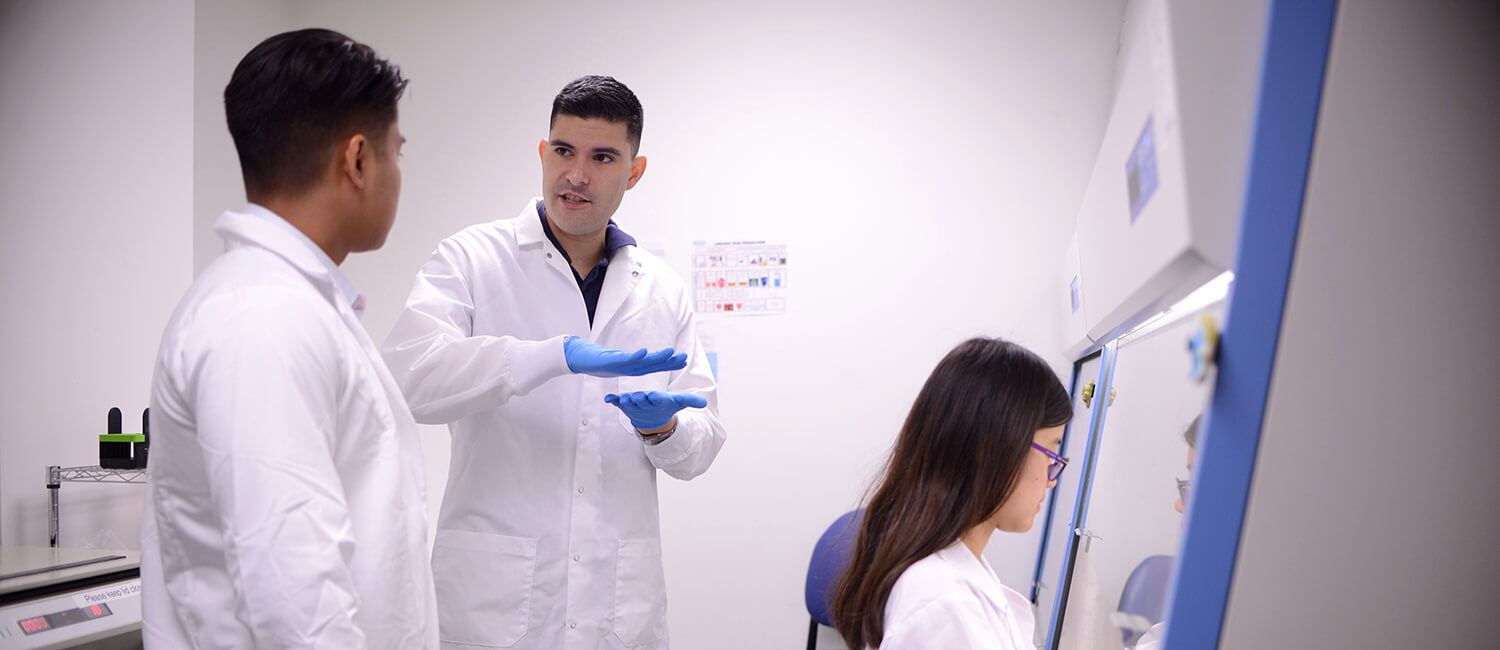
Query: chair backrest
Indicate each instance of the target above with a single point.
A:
(829, 559)
(1145, 592)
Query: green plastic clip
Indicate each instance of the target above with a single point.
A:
(122, 437)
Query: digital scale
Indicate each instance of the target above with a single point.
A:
(69, 598)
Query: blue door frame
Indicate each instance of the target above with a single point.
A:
(1296, 54)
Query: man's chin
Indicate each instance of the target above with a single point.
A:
(577, 223)
(366, 247)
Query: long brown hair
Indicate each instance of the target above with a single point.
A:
(956, 460)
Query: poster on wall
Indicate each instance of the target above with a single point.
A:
(743, 277)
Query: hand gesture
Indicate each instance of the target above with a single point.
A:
(654, 409)
(589, 358)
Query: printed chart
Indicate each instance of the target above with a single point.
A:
(740, 277)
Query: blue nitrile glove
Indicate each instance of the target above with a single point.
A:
(592, 359)
(654, 409)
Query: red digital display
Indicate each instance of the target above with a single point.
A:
(67, 617)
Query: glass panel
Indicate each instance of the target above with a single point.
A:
(1116, 596)
(1063, 500)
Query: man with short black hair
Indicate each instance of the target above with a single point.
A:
(286, 506)
(514, 335)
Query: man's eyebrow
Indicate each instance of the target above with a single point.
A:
(555, 143)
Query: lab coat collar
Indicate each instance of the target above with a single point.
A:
(625, 267)
(530, 236)
(350, 295)
(974, 569)
(529, 232)
(532, 232)
(251, 229)
(976, 574)
(625, 271)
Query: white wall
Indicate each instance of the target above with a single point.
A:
(95, 216)
(923, 164)
(224, 32)
(1371, 521)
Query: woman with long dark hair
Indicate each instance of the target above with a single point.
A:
(976, 454)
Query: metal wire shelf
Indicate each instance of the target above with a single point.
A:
(57, 475)
(95, 474)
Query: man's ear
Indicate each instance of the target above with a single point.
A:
(637, 170)
(541, 150)
(355, 159)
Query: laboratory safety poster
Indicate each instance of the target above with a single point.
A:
(739, 277)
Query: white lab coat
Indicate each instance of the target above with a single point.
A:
(285, 506)
(952, 599)
(549, 535)
(1153, 638)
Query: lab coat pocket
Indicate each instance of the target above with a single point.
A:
(640, 594)
(483, 587)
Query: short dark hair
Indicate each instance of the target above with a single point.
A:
(596, 97)
(295, 96)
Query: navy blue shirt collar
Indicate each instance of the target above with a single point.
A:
(590, 286)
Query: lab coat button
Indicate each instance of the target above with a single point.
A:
(580, 490)
(585, 422)
(576, 557)
(573, 624)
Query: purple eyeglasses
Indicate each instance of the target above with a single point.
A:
(1055, 468)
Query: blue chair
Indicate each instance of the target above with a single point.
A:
(1145, 592)
(829, 559)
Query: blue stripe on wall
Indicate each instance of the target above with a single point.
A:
(1296, 55)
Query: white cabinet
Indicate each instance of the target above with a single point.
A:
(1074, 316)
(1160, 215)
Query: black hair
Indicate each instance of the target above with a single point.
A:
(295, 96)
(596, 97)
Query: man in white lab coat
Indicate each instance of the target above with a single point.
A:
(549, 536)
(285, 506)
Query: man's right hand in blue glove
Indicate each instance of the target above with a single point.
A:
(655, 409)
(589, 358)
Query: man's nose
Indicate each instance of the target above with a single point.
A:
(576, 173)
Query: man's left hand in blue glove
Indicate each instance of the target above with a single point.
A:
(654, 410)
